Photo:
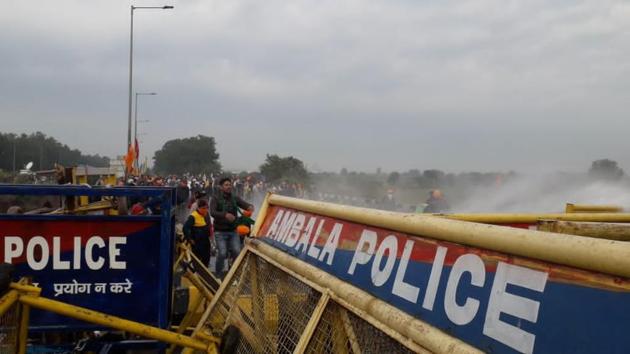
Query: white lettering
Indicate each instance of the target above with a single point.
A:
(13, 248)
(118, 288)
(362, 256)
(331, 244)
(89, 254)
(434, 278)
(302, 245)
(114, 252)
(286, 226)
(462, 315)
(296, 229)
(57, 262)
(380, 276)
(523, 308)
(30, 253)
(402, 289)
(312, 250)
(76, 262)
(273, 229)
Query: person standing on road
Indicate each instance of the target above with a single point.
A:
(436, 203)
(198, 231)
(224, 208)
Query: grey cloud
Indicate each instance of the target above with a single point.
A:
(457, 85)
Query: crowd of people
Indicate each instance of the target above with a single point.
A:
(249, 187)
(210, 208)
(215, 213)
(435, 203)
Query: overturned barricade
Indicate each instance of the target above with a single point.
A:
(325, 278)
(322, 277)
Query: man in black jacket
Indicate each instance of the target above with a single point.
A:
(197, 230)
(436, 203)
(224, 208)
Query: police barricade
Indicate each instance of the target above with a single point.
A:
(530, 220)
(120, 265)
(270, 303)
(501, 290)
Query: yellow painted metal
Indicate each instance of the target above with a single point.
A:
(224, 285)
(609, 231)
(592, 208)
(207, 337)
(23, 334)
(262, 214)
(194, 279)
(24, 287)
(532, 218)
(190, 256)
(113, 322)
(415, 347)
(101, 205)
(349, 331)
(300, 347)
(387, 315)
(256, 307)
(194, 303)
(8, 300)
(611, 257)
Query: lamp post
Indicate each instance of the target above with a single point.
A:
(131, 63)
(135, 125)
(135, 133)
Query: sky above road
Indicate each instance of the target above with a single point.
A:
(399, 84)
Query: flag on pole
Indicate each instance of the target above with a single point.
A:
(129, 158)
(137, 150)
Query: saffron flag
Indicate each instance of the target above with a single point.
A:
(129, 158)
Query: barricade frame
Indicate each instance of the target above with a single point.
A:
(165, 218)
(327, 297)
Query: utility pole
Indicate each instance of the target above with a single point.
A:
(41, 156)
(14, 148)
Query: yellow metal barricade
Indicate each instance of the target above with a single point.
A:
(592, 208)
(14, 314)
(341, 331)
(278, 309)
(12, 335)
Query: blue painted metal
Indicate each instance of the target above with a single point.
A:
(499, 303)
(139, 230)
(79, 190)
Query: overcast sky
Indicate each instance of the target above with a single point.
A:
(451, 84)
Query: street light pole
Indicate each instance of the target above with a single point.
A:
(14, 148)
(130, 79)
(131, 65)
(135, 125)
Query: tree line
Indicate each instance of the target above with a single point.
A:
(198, 155)
(43, 151)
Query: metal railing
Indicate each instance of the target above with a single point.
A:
(14, 314)
(263, 307)
(12, 338)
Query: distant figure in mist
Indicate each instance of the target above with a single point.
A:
(436, 203)
(388, 202)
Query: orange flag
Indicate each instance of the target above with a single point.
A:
(129, 158)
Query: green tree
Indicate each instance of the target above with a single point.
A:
(393, 178)
(605, 169)
(43, 151)
(289, 169)
(194, 155)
